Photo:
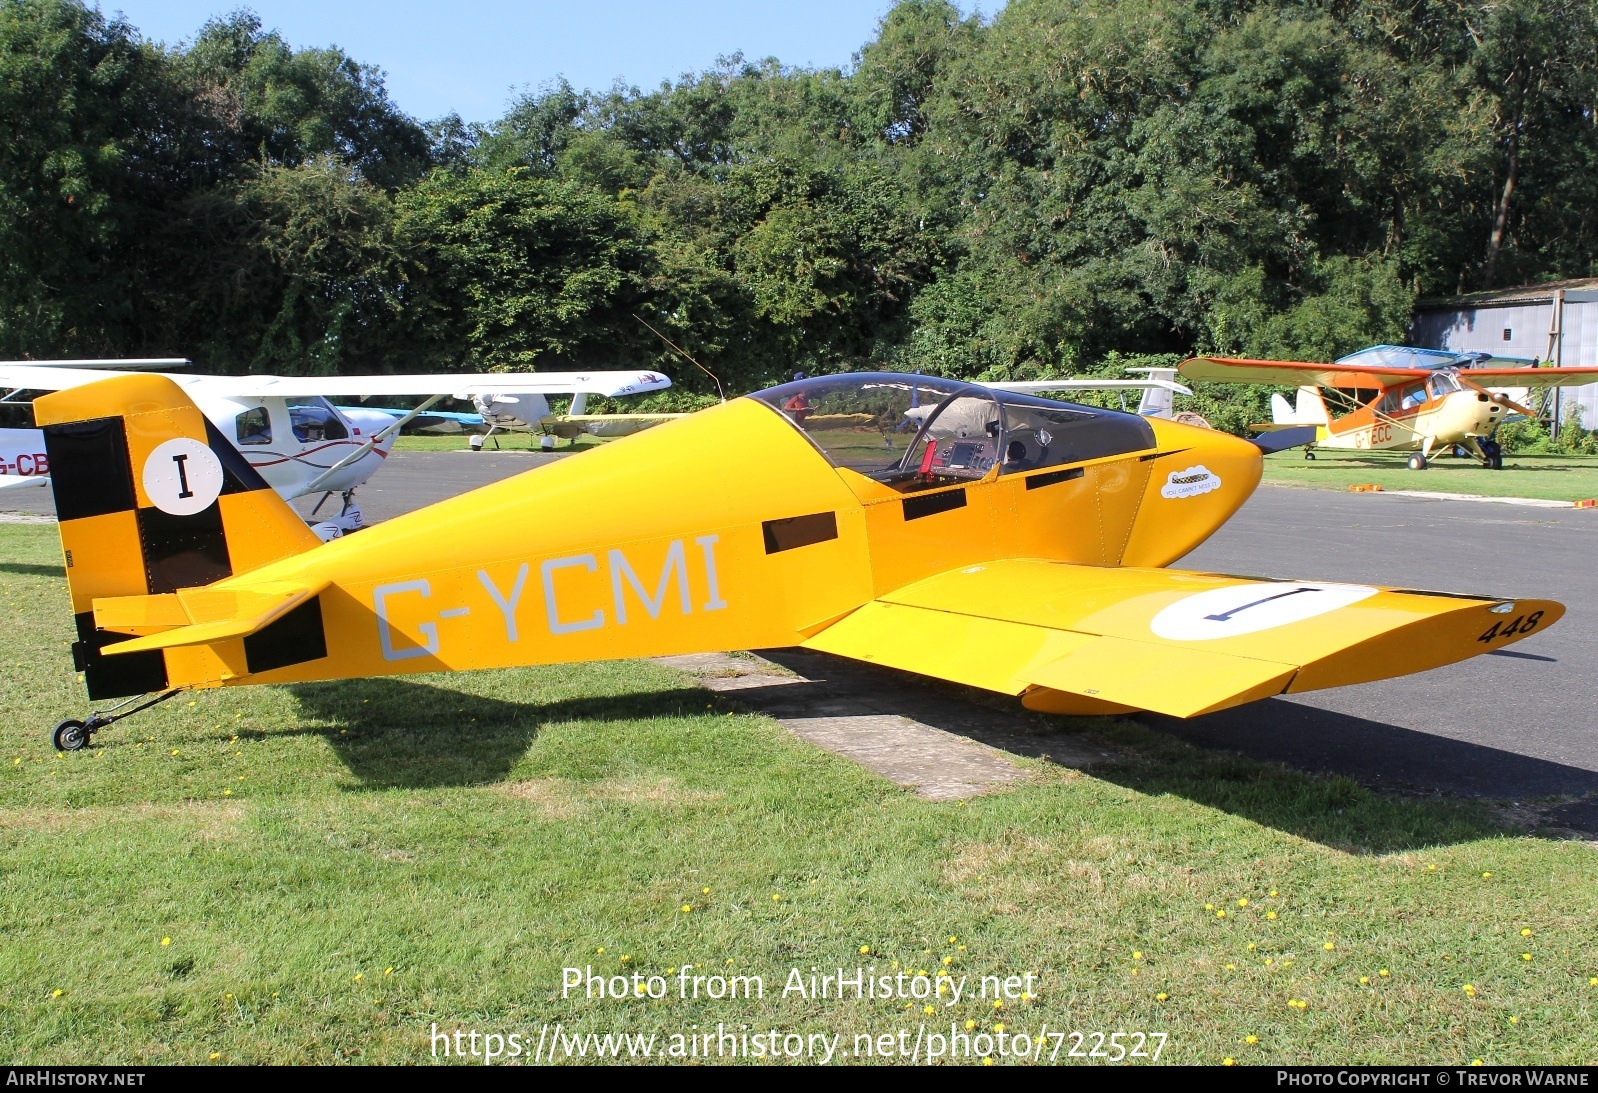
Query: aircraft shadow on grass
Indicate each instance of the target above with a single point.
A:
(1228, 773)
(402, 734)
(30, 569)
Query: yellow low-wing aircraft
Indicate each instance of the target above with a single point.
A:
(1019, 550)
(1418, 410)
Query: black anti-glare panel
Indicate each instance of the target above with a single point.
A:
(237, 474)
(293, 639)
(1037, 481)
(121, 675)
(89, 472)
(799, 531)
(183, 551)
(930, 504)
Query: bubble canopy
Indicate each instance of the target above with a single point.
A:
(918, 432)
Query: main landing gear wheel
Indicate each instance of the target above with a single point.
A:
(70, 736)
(1308, 454)
(1417, 462)
(1494, 454)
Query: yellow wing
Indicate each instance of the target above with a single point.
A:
(1084, 639)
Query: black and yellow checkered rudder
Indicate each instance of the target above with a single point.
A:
(151, 499)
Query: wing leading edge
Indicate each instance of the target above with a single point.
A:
(1084, 639)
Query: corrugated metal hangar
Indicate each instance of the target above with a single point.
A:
(1554, 322)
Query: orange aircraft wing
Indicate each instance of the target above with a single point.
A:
(1531, 377)
(1298, 373)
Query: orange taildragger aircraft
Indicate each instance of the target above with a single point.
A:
(1418, 410)
(998, 540)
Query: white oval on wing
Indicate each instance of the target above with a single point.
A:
(1247, 608)
(182, 476)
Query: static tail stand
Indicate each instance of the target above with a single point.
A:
(151, 499)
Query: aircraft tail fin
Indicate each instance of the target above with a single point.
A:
(1309, 410)
(151, 499)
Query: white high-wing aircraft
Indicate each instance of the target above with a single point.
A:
(284, 426)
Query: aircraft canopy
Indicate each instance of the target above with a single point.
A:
(918, 432)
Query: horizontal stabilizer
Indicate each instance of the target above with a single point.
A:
(1174, 642)
(197, 616)
(1278, 439)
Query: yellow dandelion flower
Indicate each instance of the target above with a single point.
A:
(1161, 997)
(174, 751)
(1137, 954)
(947, 961)
(998, 1003)
(1486, 876)
(999, 1027)
(1384, 973)
(776, 896)
(1431, 868)
(1470, 990)
(1251, 946)
(388, 971)
(864, 949)
(1525, 933)
(1514, 1020)
(1268, 960)
(625, 958)
(969, 1025)
(1242, 903)
(1593, 982)
(1364, 980)
(1228, 1061)
(1251, 1039)
(600, 949)
(686, 908)
(987, 1060)
(1209, 906)
(227, 793)
(214, 1054)
(1134, 971)
(1273, 893)
(227, 996)
(1231, 967)
(1329, 946)
(1525, 956)
(962, 948)
(1220, 914)
(729, 962)
(952, 940)
(57, 993)
(928, 1010)
(360, 975)
(1475, 1062)
(1270, 914)
(165, 941)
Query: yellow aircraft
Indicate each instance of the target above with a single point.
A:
(1018, 550)
(1419, 410)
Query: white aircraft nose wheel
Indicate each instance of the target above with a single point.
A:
(1417, 462)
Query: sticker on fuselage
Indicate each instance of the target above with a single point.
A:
(1191, 482)
(1249, 608)
(182, 477)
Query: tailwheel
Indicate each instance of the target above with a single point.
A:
(1417, 462)
(70, 736)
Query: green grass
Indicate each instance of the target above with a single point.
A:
(1553, 477)
(478, 833)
